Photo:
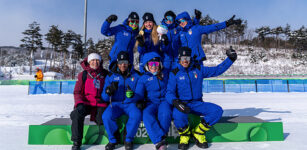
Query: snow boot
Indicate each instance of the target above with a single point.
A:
(162, 145)
(110, 146)
(128, 146)
(76, 146)
(184, 138)
(199, 134)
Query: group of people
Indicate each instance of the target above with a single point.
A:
(167, 86)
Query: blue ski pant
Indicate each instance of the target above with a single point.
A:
(210, 112)
(157, 120)
(114, 111)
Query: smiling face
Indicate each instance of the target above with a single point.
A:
(94, 63)
(134, 24)
(153, 66)
(182, 23)
(148, 25)
(185, 61)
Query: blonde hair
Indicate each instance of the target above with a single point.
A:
(153, 34)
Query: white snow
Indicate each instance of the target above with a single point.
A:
(18, 110)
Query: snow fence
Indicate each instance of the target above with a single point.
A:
(209, 86)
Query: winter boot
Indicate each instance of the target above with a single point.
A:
(162, 145)
(128, 145)
(76, 146)
(184, 138)
(110, 146)
(199, 134)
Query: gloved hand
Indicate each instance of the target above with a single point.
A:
(110, 90)
(181, 106)
(231, 54)
(164, 39)
(129, 92)
(140, 39)
(111, 18)
(141, 104)
(231, 21)
(197, 14)
(35, 76)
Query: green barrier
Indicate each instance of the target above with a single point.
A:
(228, 129)
(14, 82)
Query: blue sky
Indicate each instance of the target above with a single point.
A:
(16, 15)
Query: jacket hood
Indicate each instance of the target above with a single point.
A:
(185, 15)
(149, 56)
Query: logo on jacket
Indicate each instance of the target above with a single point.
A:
(126, 34)
(132, 79)
(181, 78)
(116, 78)
(195, 75)
(150, 79)
(175, 31)
(190, 31)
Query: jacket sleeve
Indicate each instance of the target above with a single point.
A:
(107, 30)
(196, 21)
(171, 89)
(79, 96)
(217, 70)
(211, 28)
(139, 92)
(104, 96)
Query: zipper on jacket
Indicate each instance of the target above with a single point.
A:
(124, 89)
(186, 40)
(129, 41)
(159, 88)
(190, 84)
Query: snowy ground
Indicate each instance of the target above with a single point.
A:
(18, 110)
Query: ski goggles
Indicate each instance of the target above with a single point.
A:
(153, 63)
(123, 62)
(169, 18)
(183, 58)
(181, 21)
(133, 21)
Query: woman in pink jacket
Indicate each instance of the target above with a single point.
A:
(87, 95)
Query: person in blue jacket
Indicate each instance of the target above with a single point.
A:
(119, 86)
(184, 91)
(124, 35)
(157, 115)
(148, 40)
(191, 35)
(171, 55)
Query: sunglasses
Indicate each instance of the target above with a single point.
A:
(153, 63)
(181, 21)
(123, 62)
(133, 22)
(183, 58)
(169, 18)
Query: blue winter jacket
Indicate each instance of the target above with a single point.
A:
(124, 39)
(174, 42)
(191, 35)
(186, 83)
(150, 47)
(123, 83)
(149, 87)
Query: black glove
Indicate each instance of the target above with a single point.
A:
(35, 76)
(111, 18)
(141, 104)
(140, 39)
(181, 106)
(231, 54)
(81, 109)
(110, 90)
(197, 14)
(164, 39)
(231, 21)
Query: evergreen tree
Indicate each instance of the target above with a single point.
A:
(32, 41)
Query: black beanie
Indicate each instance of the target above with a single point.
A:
(122, 56)
(170, 13)
(148, 17)
(185, 51)
(133, 16)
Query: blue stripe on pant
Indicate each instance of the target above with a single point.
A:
(157, 128)
(212, 113)
(112, 113)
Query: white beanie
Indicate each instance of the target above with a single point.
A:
(93, 56)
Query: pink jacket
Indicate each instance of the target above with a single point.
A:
(87, 93)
